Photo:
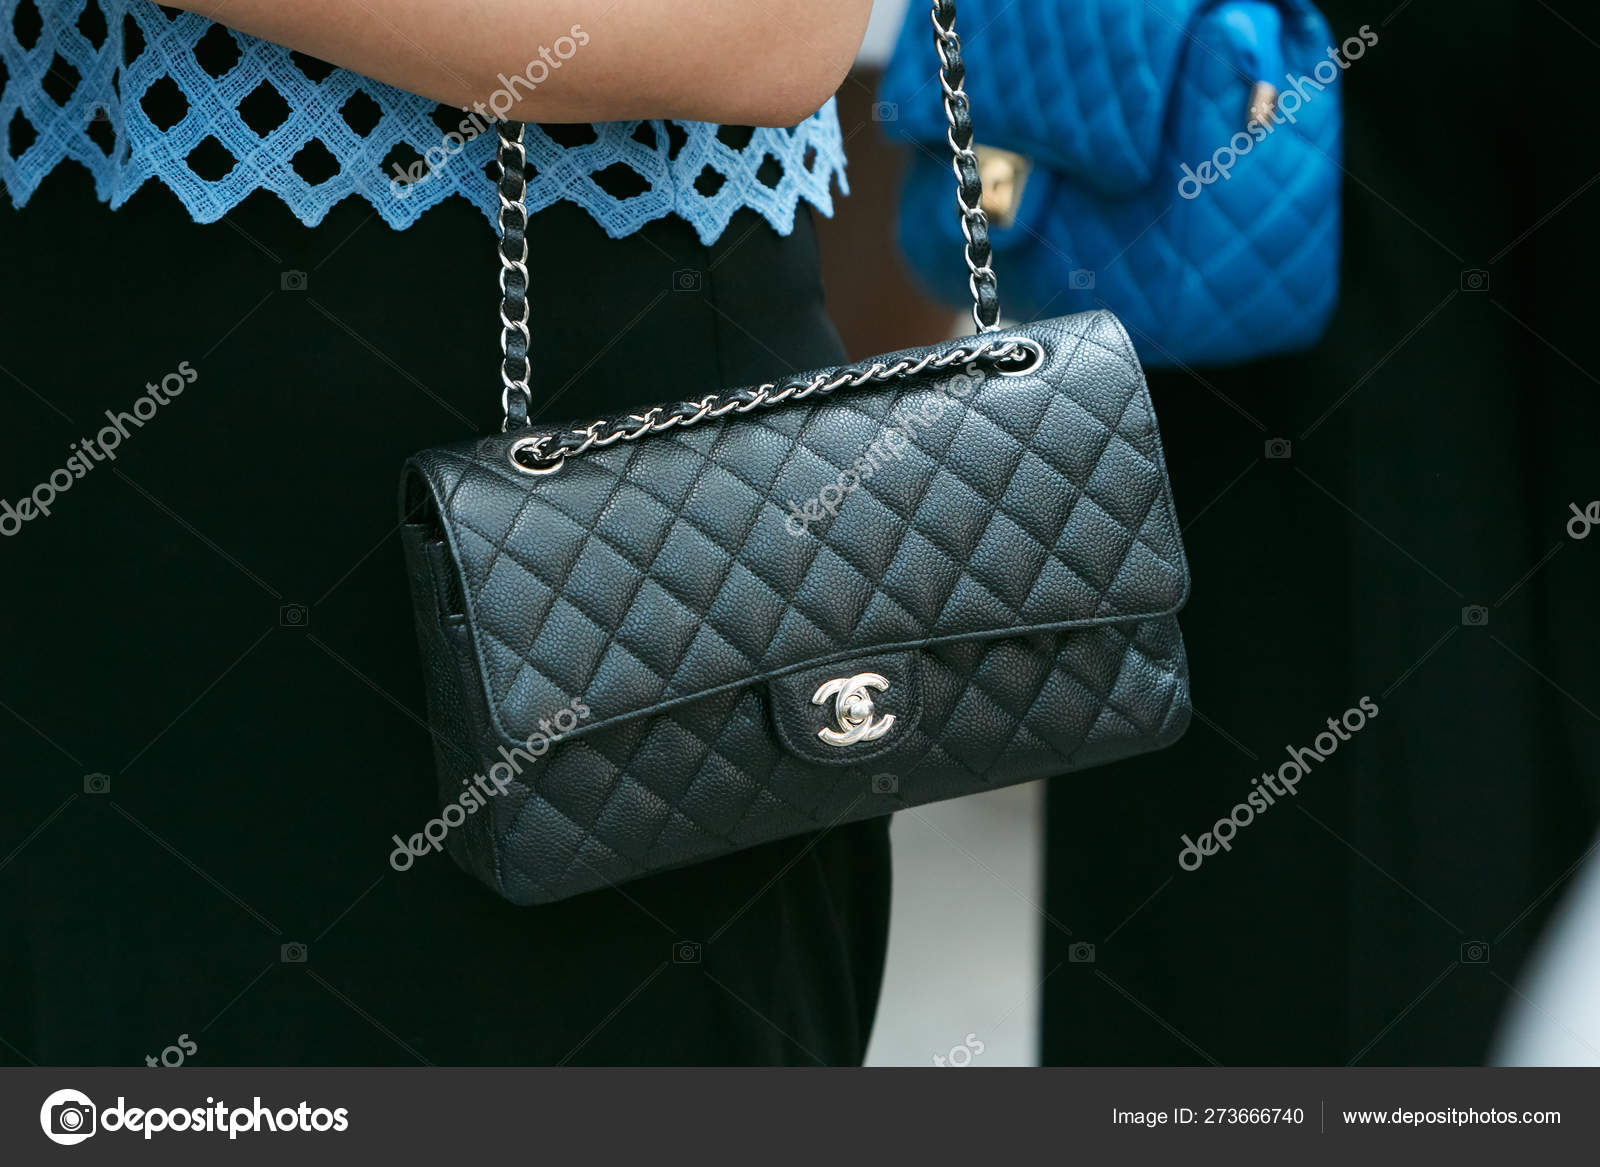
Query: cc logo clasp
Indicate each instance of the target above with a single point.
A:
(855, 718)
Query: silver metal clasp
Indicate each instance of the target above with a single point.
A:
(856, 718)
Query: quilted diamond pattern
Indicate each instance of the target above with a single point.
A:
(1111, 101)
(1022, 552)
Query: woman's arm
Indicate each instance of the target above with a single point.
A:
(743, 62)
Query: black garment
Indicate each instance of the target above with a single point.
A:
(1411, 548)
(218, 621)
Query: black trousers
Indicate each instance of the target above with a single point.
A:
(212, 720)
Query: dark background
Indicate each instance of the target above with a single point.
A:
(1438, 435)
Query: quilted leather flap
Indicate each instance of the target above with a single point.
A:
(929, 509)
(1085, 88)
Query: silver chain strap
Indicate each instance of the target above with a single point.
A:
(964, 162)
(546, 453)
(514, 327)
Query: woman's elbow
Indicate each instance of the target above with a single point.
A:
(782, 80)
(787, 95)
(729, 62)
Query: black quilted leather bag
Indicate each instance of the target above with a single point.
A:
(655, 639)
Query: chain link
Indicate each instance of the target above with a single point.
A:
(515, 339)
(981, 279)
(544, 453)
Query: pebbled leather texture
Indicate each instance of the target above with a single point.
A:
(1111, 101)
(1012, 577)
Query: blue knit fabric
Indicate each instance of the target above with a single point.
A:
(67, 61)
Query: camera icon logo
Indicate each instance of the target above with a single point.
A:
(292, 281)
(686, 952)
(885, 783)
(1081, 953)
(293, 953)
(293, 616)
(1279, 449)
(1475, 616)
(1475, 952)
(885, 111)
(688, 279)
(1474, 279)
(97, 783)
(67, 1117)
(1081, 280)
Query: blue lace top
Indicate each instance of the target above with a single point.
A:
(134, 92)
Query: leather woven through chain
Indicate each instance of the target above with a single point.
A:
(545, 453)
(515, 339)
(969, 186)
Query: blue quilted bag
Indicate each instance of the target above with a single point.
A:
(1176, 161)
